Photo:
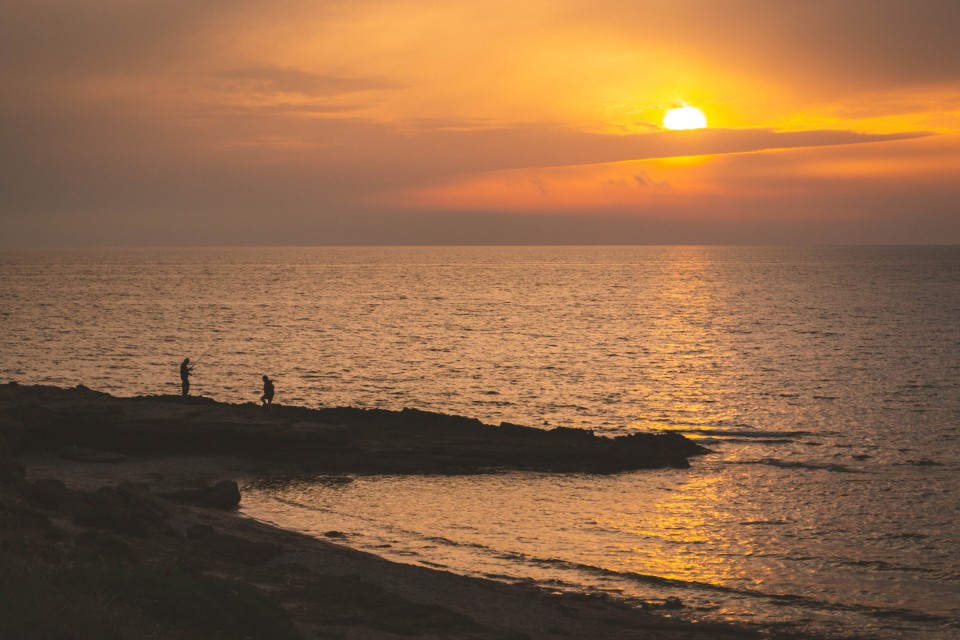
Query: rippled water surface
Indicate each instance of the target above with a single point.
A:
(826, 380)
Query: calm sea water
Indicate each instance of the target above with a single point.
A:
(826, 381)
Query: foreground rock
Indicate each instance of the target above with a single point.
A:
(150, 562)
(80, 423)
(121, 561)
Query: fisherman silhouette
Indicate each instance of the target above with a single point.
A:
(185, 370)
(267, 397)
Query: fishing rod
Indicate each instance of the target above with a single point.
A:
(205, 353)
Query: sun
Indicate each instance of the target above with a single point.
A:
(685, 117)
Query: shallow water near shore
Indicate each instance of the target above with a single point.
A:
(826, 380)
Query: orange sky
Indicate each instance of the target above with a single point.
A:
(141, 122)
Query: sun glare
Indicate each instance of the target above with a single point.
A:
(685, 117)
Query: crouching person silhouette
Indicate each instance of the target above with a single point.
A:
(267, 398)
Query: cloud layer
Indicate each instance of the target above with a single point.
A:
(249, 122)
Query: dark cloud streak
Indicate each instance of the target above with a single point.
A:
(273, 80)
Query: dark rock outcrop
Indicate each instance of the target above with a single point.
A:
(84, 425)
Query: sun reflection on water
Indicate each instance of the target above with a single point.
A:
(682, 340)
(681, 531)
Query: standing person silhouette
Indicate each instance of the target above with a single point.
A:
(185, 370)
(267, 398)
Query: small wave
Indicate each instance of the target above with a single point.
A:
(279, 483)
(753, 440)
(777, 598)
(905, 536)
(813, 466)
(435, 565)
(880, 565)
(752, 433)
(454, 543)
(780, 598)
(501, 577)
(523, 558)
(922, 462)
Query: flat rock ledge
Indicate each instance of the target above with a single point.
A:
(81, 423)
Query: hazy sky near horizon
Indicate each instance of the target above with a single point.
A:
(149, 122)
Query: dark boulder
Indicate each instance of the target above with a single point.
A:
(223, 495)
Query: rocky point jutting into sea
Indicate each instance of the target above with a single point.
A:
(338, 440)
(111, 528)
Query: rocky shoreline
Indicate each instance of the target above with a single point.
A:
(140, 492)
(335, 440)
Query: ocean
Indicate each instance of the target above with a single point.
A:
(825, 380)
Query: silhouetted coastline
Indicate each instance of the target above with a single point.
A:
(138, 493)
(336, 440)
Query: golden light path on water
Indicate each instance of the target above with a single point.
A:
(685, 518)
(682, 340)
